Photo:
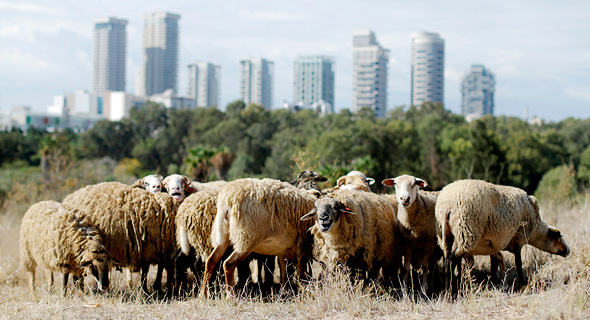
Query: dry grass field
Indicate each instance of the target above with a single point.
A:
(558, 288)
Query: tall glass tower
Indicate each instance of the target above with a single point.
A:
(203, 84)
(109, 55)
(428, 68)
(160, 42)
(313, 80)
(369, 73)
(477, 92)
(256, 81)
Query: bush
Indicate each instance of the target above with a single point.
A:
(558, 185)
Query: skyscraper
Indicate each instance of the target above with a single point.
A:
(256, 81)
(203, 84)
(109, 54)
(428, 68)
(477, 92)
(313, 80)
(369, 72)
(160, 42)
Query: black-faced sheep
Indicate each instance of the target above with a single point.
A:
(259, 216)
(62, 240)
(417, 226)
(356, 229)
(308, 180)
(137, 226)
(475, 217)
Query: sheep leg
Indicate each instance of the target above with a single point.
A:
(128, 277)
(494, 263)
(210, 265)
(64, 286)
(157, 286)
(518, 262)
(145, 268)
(32, 279)
(229, 267)
(49, 279)
(283, 270)
(78, 281)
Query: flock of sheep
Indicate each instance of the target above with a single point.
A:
(178, 224)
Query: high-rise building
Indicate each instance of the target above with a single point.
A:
(109, 55)
(313, 80)
(256, 81)
(428, 68)
(160, 42)
(477, 92)
(203, 84)
(369, 73)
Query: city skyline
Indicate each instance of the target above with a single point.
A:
(539, 52)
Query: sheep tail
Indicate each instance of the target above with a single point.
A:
(220, 232)
(183, 239)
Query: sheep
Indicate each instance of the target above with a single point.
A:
(178, 186)
(62, 240)
(475, 217)
(151, 183)
(308, 180)
(416, 226)
(194, 220)
(356, 229)
(259, 216)
(137, 226)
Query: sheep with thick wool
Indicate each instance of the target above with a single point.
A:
(259, 216)
(475, 217)
(356, 229)
(62, 240)
(137, 226)
(416, 226)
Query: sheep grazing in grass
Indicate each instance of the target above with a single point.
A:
(475, 217)
(356, 229)
(178, 186)
(259, 216)
(62, 240)
(151, 183)
(137, 226)
(417, 226)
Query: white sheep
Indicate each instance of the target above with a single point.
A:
(178, 186)
(475, 217)
(151, 183)
(62, 240)
(259, 216)
(137, 226)
(416, 225)
(356, 229)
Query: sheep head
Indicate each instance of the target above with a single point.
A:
(308, 180)
(152, 183)
(178, 186)
(406, 188)
(97, 262)
(327, 212)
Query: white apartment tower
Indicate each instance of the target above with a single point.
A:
(477, 92)
(428, 67)
(109, 55)
(313, 80)
(203, 84)
(369, 73)
(256, 81)
(160, 42)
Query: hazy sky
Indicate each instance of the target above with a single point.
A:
(539, 50)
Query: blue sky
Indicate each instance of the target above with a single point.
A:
(539, 51)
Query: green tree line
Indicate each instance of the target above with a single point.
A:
(429, 142)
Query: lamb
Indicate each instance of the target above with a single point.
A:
(416, 226)
(475, 217)
(137, 226)
(178, 186)
(260, 216)
(151, 183)
(356, 229)
(62, 240)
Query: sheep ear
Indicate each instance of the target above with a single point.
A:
(421, 183)
(388, 182)
(370, 181)
(115, 263)
(341, 181)
(159, 176)
(300, 175)
(138, 183)
(85, 264)
(346, 210)
(553, 233)
(322, 179)
(533, 202)
(310, 215)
